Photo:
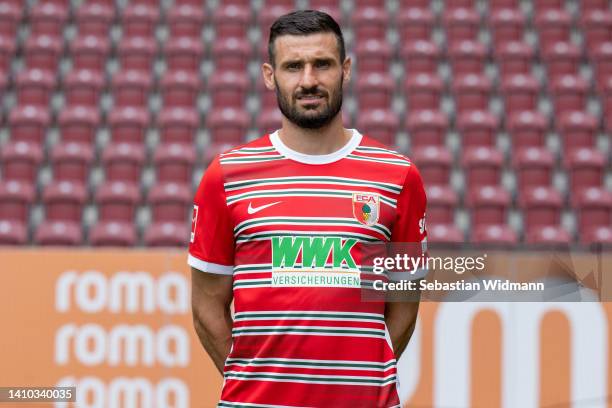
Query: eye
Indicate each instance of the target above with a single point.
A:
(294, 66)
(322, 64)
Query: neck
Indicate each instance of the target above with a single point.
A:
(325, 140)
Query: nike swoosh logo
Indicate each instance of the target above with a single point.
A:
(253, 210)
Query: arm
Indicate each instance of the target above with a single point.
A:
(211, 296)
(400, 318)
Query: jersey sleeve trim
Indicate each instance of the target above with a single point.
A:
(209, 266)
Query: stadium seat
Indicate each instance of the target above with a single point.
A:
(139, 20)
(42, 52)
(231, 20)
(533, 166)
(381, 124)
(520, 93)
(373, 55)
(20, 161)
(514, 58)
(496, 5)
(185, 20)
(178, 125)
(47, 18)
(29, 124)
(10, 14)
(179, 89)
(594, 207)
(59, 233)
(228, 125)
(434, 163)
(268, 15)
(548, 236)
(72, 161)
(598, 235)
(553, 26)
(488, 205)
(596, 26)
(330, 7)
(471, 92)
(415, 24)
(586, 168)
(167, 234)
(370, 23)
(16, 197)
(174, 163)
(136, 53)
(128, 124)
(460, 24)
(482, 166)
(441, 204)
(231, 54)
(90, 52)
(269, 120)
(561, 58)
(34, 87)
(527, 128)
(13, 232)
(467, 57)
(83, 88)
(569, 93)
(64, 201)
(587, 6)
(123, 162)
(229, 89)
(131, 88)
(477, 128)
(577, 129)
(423, 92)
(375, 91)
(267, 98)
(444, 234)
(7, 51)
(420, 57)
(184, 54)
(602, 58)
(507, 25)
(540, 6)
(94, 18)
(79, 124)
(425, 4)
(112, 233)
(427, 128)
(170, 202)
(606, 98)
(498, 235)
(541, 207)
(117, 201)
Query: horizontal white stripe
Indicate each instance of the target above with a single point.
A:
(358, 236)
(318, 376)
(313, 362)
(345, 181)
(209, 266)
(327, 312)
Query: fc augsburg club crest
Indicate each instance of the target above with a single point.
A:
(366, 208)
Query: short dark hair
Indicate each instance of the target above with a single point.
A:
(305, 22)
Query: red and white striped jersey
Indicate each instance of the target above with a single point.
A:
(287, 227)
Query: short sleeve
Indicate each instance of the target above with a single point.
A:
(211, 247)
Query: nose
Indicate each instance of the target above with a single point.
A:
(309, 79)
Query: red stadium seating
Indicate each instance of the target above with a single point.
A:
(415, 24)
(594, 207)
(471, 92)
(373, 55)
(83, 88)
(90, 52)
(131, 88)
(170, 202)
(139, 20)
(269, 120)
(29, 123)
(48, 18)
(423, 92)
(602, 57)
(380, 124)
(461, 24)
(467, 57)
(269, 14)
(375, 91)
(586, 168)
(34, 87)
(445, 234)
(496, 5)
(597, 27)
(370, 23)
(179, 89)
(123, 162)
(228, 125)
(420, 57)
(79, 124)
(112, 233)
(598, 235)
(441, 204)
(117, 201)
(514, 58)
(267, 98)
(520, 93)
(553, 26)
(533, 166)
(129, 124)
(434, 163)
(178, 125)
(541, 207)
(231, 54)
(12, 232)
(15, 200)
(185, 20)
(415, 3)
(548, 236)
(427, 128)
(488, 205)
(184, 53)
(72, 161)
(606, 98)
(229, 89)
(20, 161)
(10, 14)
(561, 58)
(59, 233)
(7, 50)
(94, 18)
(482, 166)
(589, 5)
(527, 128)
(498, 235)
(507, 25)
(42, 52)
(569, 93)
(64, 201)
(231, 20)
(477, 128)
(167, 234)
(578, 129)
(174, 163)
(136, 53)
(544, 5)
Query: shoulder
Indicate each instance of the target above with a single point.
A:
(258, 149)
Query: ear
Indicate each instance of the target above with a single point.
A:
(268, 76)
(346, 69)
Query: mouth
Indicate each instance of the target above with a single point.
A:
(310, 98)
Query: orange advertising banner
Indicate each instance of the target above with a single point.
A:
(117, 325)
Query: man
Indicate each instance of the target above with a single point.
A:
(277, 227)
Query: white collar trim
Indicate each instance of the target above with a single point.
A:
(341, 153)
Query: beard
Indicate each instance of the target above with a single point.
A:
(305, 117)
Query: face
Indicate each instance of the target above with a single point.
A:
(308, 78)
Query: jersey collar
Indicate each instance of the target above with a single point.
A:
(341, 153)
